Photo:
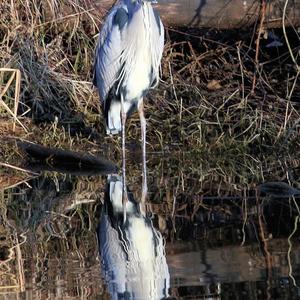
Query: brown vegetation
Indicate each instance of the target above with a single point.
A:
(224, 118)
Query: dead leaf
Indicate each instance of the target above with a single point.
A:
(214, 85)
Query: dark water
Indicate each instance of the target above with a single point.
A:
(220, 243)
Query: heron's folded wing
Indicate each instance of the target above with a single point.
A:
(157, 43)
(109, 50)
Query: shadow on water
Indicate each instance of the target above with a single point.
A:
(197, 17)
(59, 230)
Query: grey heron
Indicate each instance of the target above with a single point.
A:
(132, 253)
(127, 65)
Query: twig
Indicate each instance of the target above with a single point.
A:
(20, 262)
(241, 68)
(17, 168)
(267, 254)
(67, 17)
(18, 183)
(290, 250)
(286, 38)
(172, 82)
(244, 205)
(260, 30)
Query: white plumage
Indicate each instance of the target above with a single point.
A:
(128, 57)
(127, 64)
(133, 254)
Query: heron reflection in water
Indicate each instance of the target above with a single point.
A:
(132, 253)
(127, 63)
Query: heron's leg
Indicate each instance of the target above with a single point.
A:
(124, 193)
(143, 130)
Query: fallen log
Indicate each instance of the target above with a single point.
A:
(221, 14)
(41, 158)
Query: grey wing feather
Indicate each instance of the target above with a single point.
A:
(109, 50)
(158, 21)
(120, 18)
(161, 38)
(159, 47)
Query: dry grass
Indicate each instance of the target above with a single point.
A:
(220, 101)
(221, 108)
(224, 119)
(206, 102)
(15, 76)
(218, 95)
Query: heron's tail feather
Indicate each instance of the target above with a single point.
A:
(113, 118)
(113, 114)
